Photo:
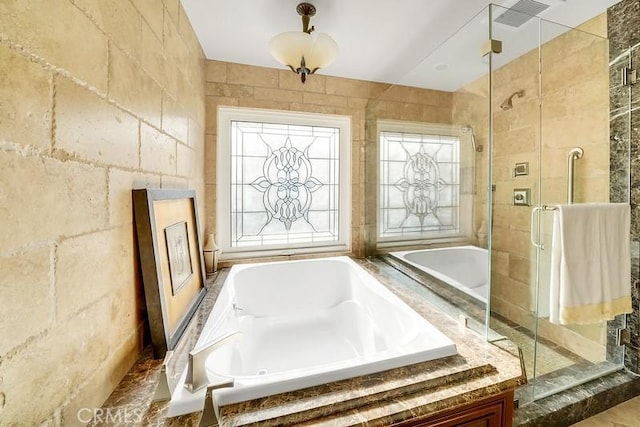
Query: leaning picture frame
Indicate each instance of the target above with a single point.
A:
(171, 261)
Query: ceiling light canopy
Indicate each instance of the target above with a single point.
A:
(299, 50)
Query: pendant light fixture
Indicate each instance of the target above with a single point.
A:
(299, 50)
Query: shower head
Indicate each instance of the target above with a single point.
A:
(507, 104)
(468, 128)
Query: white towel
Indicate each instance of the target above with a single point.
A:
(590, 263)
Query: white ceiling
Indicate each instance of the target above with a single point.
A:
(381, 40)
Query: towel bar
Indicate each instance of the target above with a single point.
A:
(532, 229)
(574, 154)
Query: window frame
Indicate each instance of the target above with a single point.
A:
(465, 208)
(226, 115)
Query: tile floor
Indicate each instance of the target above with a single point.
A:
(626, 414)
(550, 357)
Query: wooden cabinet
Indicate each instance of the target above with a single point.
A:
(494, 411)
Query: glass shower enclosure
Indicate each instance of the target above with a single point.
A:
(551, 146)
(527, 107)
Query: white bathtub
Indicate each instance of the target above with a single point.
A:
(306, 323)
(463, 267)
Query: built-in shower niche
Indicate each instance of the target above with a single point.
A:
(512, 105)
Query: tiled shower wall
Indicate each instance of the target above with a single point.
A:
(572, 110)
(624, 34)
(96, 97)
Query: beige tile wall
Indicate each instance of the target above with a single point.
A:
(574, 112)
(96, 97)
(230, 84)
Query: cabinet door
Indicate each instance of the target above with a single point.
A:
(496, 411)
(485, 416)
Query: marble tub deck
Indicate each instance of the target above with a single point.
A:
(479, 369)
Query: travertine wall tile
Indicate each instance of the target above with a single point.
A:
(174, 182)
(177, 52)
(216, 72)
(112, 250)
(280, 94)
(311, 108)
(189, 95)
(108, 15)
(291, 81)
(92, 394)
(152, 58)
(78, 346)
(421, 96)
(186, 161)
(152, 12)
(340, 86)
(196, 134)
(132, 88)
(121, 182)
(210, 205)
(26, 100)
(210, 159)
(27, 296)
(85, 57)
(74, 201)
(212, 103)
(263, 103)
(252, 76)
(229, 91)
(500, 262)
(90, 128)
(157, 151)
(173, 9)
(83, 77)
(322, 99)
(358, 103)
(175, 121)
(376, 89)
(186, 32)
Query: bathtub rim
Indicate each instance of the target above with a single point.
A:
(356, 370)
(400, 256)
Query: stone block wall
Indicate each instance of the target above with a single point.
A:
(96, 97)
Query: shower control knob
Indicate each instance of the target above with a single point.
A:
(521, 196)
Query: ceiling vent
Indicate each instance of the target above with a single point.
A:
(521, 12)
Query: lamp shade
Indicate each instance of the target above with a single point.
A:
(290, 47)
(324, 52)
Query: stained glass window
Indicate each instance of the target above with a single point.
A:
(419, 195)
(285, 183)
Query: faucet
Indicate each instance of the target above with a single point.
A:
(196, 373)
(209, 417)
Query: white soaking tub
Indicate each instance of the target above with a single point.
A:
(463, 267)
(306, 323)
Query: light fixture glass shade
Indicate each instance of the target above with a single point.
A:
(288, 48)
(324, 52)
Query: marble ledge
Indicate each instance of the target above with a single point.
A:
(480, 369)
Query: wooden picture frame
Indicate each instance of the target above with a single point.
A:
(171, 260)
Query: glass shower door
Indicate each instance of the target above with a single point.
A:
(515, 130)
(549, 114)
(573, 167)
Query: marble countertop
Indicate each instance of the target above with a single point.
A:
(479, 369)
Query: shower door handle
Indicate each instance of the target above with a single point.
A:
(532, 229)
